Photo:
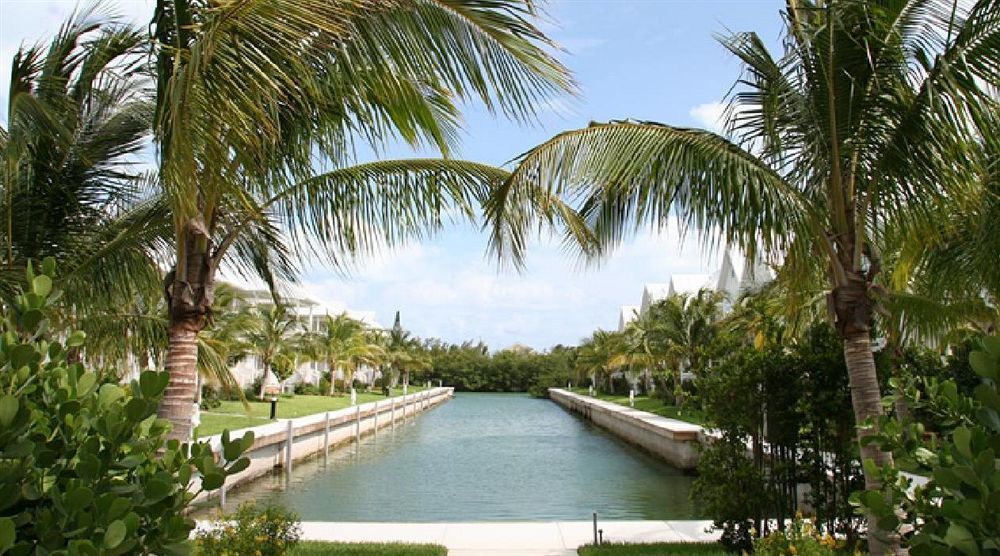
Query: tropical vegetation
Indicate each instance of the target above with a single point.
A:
(875, 117)
(860, 163)
(87, 467)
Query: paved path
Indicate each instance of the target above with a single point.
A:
(509, 538)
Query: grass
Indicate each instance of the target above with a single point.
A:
(366, 549)
(652, 405)
(653, 549)
(232, 415)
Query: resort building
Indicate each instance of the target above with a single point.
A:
(725, 280)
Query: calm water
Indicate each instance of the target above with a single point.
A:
(482, 457)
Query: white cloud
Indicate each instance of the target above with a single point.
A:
(709, 115)
(446, 288)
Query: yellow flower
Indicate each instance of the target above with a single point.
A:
(792, 550)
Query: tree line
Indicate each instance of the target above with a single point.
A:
(860, 161)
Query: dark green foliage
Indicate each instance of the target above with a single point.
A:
(268, 531)
(472, 368)
(784, 419)
(958, 511)
(84, 468)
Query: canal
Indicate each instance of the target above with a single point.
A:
(481, 457)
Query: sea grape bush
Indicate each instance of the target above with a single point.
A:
(958, 510)
(84, 466)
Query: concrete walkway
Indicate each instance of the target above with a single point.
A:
(509, 538)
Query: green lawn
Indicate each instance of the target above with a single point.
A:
(366, 549)
(652, 405)
(653, 549)
(232, 415)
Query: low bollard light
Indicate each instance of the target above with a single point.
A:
(274, 406)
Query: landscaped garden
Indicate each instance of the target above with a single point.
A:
(855, 166)
(651, 403)
(233, 415)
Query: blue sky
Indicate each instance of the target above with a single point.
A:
(649, 60)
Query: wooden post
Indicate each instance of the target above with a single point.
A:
(376, 418)
(357, 424)
(392, 412)
(326, 435)
(289, 439)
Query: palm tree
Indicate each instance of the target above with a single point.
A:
(251, 93)
(273, 336)
(77, 117)
(345, 344)
(599, 357)
(869, 119)
(403, 354)
(679, 330)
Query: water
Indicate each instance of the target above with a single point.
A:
(482, 457)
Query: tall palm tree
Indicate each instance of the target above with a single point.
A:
(345, 344)
(869, 119)
(274, 337)
(598, 357)
(251, 92)
(78, 116)
(679, 330)
(403, 353)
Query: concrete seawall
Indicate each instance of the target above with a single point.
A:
(281, 443)
(676, 442)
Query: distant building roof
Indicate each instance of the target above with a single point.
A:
(755, 274)
(651, 293)
(627, 314)
(689, 283)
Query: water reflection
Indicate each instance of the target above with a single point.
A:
(481, 457)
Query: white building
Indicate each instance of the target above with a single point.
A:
(725, 280)
(627, 314)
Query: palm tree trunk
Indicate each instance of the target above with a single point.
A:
(182, 364)
(853, 311)
(866, 400)
(189, 292)
(263, 379)
(333, 378)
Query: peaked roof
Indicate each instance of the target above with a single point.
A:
(651, 293)
(755, 274)
(627, 314)
(689, 283)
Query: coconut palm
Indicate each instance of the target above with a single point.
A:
(78, 115)
(679, 330)
(251, 93)
(274, 337)
(599, 356)
(869, 119)
(403, 354)
(345, 344)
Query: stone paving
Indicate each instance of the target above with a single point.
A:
(509, 538)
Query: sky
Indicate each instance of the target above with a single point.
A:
(642, 59)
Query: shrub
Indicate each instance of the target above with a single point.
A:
(799, 538)
(783, 418)
(956, 511)
(84, 466)
(271, 531)
(308, 389)
(210, 398)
